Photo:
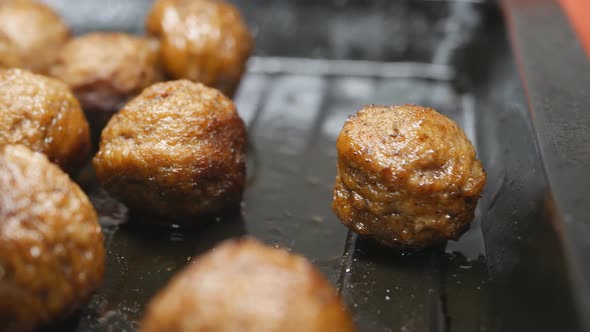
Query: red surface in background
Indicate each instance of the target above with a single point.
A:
(579, 14)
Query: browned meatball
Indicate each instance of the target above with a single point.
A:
(43, 114)
(407, 176)
(202, 40)
(35, 31)
(51, 246)
(177, 150)
(104, 70)
(243, 285)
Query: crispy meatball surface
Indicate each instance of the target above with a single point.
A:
(407, 176)
(51, 246)
(44, 115)
(35, 32)
(202, 40)
(178, 150)
(104, 70)
(242, 285)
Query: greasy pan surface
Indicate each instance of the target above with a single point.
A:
(316, 63)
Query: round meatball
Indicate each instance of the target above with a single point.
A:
(51, 245)
(104, 70)
(35, 31)
(43, 114)
(202, 40)
(178, 150)
(407, 176)
(243, 285)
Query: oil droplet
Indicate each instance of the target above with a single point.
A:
(177, 237)
(35, 251)
(317, 219)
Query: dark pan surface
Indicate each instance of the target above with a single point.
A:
(562, 123)
(316, 63)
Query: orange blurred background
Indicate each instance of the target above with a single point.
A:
(579, 14)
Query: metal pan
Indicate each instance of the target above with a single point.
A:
(318, 62)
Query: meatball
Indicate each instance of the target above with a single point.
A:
(43, 114)
(104, 70)
(178, 150)
(51, 245)
(242, 285)
(34, 30)
(407, 176)
(202, 40)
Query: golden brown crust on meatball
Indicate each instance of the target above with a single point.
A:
(51, 246)
(243, 285)
(35, 30)
(104, 70)
(205, 41)
(177, 150)
(407, 176)
(44, 115)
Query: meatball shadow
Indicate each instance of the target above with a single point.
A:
(371, 249)
(228, 221)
